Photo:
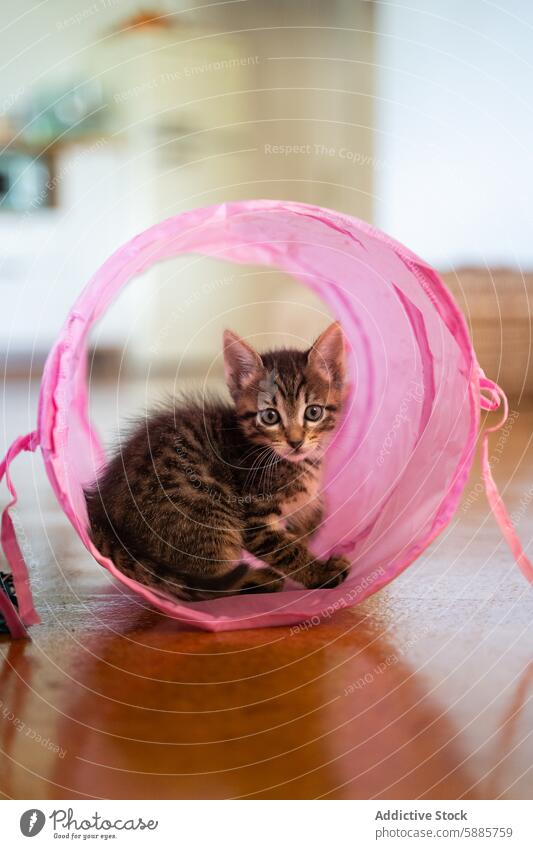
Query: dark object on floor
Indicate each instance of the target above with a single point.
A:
(7, 586)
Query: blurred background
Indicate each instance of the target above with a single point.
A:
(115, 114)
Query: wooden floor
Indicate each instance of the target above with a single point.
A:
(422, 692)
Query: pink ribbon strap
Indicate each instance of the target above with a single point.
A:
(16, 619)
(496, 397)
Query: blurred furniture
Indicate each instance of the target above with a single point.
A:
(497, 304)
(49, 251)
(26, 182)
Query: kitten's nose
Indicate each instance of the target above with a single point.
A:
(295, 444)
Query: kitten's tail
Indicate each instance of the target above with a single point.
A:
(104, 536)
(141, 569)
(155, 576)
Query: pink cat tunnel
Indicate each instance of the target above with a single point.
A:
(399, 461)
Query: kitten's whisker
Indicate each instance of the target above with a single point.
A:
(268, 471)
(271, 459)
(256, 465)
(254, 450)
(258, 471)
(250, 460)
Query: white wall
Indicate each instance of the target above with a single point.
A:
(454, 133)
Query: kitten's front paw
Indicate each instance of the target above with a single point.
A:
(329, 573)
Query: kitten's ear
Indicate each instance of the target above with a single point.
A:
(241, 362)
(327, 356)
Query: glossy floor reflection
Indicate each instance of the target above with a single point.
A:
(424, 691)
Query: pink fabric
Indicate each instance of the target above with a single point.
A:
(16, 619)
(497, 396)
(401, 456)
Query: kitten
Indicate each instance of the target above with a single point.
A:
(197, 483)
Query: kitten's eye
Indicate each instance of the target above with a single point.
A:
(269, 416)
(314, 412)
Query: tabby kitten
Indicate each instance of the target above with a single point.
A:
(196, 483)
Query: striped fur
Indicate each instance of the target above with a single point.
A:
(195, 483)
